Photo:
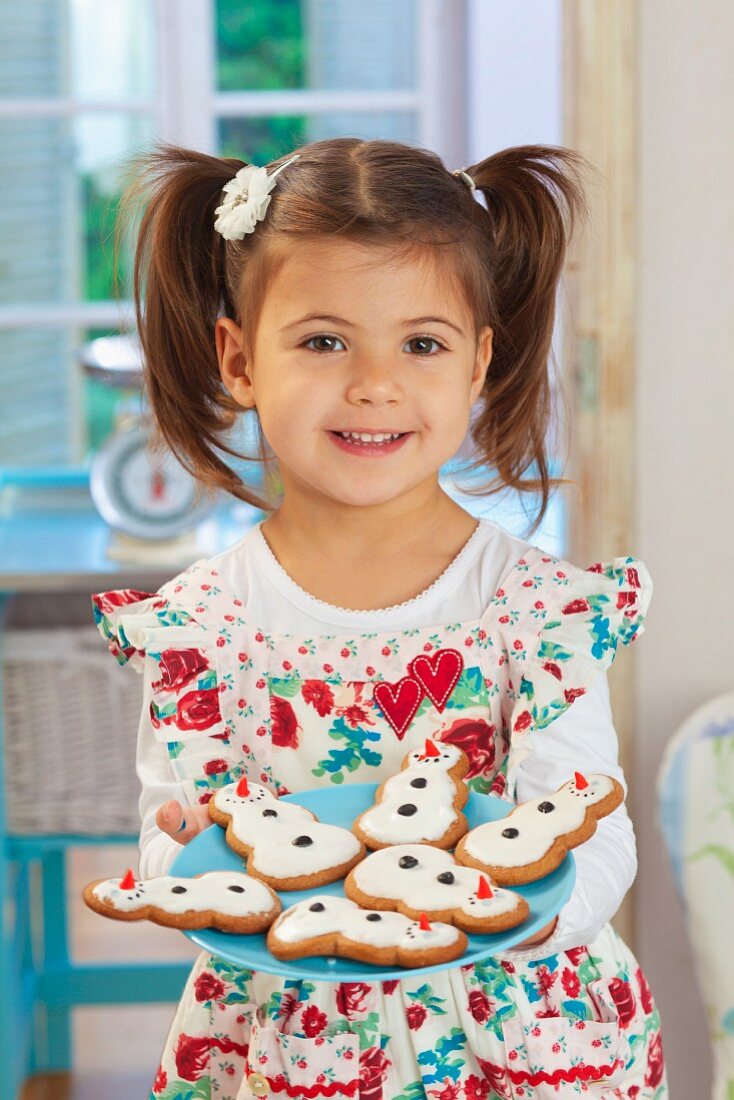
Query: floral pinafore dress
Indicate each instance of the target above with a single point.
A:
(295, 712)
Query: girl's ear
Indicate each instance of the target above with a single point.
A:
(482, 361)
(233, 366)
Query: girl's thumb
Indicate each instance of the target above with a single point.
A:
(182, 824)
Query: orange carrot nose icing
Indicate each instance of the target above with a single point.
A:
(128, 881)
(431, 749)
(484, 890)
(423, 923)
(581, 782)
(242, 789)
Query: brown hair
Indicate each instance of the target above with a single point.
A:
(507, 257)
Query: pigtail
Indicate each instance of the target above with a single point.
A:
(180, 287)
(534, 198)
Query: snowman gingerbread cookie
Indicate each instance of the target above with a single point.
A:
(327, 925)
(283, 843)
(534, 838)
(419, 878)
(230, 901)
(422, 803)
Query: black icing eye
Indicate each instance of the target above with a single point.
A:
(447, 877)
(317, 907)
(407, 810)
(236, 889)
(510, 833)
(546, 807)
(373, 916)
(303, 841)
(419, 783)
(407, 861)
(178, 890)
(270, 813)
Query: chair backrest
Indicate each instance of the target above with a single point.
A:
(695, 791)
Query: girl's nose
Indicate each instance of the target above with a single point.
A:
(375, 382)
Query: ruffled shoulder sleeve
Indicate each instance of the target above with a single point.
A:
(124, 616)
(555, 626)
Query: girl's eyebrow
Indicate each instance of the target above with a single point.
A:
(341, 321)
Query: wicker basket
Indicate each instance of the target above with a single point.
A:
(71, 718)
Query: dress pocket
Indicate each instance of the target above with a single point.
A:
(293, 1065)
(559, 1056)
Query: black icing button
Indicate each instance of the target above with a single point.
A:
(546, 807)
(236, 889)
(407, 861)
(179, 890)
(317, 907)
(407, 809)
(270, 813)
(303, 841)
(419, 783)
(510, 833)
(447, 877)
(373, 916)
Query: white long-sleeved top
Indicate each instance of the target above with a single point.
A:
(582, 739)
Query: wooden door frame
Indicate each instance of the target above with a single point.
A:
(599, 108)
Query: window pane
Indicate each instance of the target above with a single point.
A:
(79, 48)
(38, 210)
(319, 44)
(37, 396)
(112, 49)
(54, 412)
(60, 184)
(261, 140)
(103, 142)
(32, 58)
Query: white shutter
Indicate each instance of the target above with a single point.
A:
(36, 236)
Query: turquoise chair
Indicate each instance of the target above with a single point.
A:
(696, 813)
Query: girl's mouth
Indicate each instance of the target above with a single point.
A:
(380, 443)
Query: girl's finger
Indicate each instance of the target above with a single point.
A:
(178, 822)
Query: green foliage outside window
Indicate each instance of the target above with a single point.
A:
(260, 45)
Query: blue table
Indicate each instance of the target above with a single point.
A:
(53, 541)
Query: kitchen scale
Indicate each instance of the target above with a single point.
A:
(152, 505)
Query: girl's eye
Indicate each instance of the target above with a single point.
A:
(426, 340)
(323, 337)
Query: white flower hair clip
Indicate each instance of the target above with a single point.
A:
(248, 198)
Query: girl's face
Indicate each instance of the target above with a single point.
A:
(347, 344)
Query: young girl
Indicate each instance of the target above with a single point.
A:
(361, 304)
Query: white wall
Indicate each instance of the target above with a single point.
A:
(685, 521)
(515, 85)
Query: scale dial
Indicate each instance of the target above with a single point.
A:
(145, 495)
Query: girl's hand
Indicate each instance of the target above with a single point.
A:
(541, 935)
(182, 824)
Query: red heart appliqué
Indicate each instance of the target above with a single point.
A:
(399, 702)
(438, 674)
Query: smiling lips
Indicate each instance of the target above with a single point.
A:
(369, 443)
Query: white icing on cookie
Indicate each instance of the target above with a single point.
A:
(531, 829)
(430, 880)
(231, 893)
(323, 915)
(417, 804)
(448, 757)
(286, 840)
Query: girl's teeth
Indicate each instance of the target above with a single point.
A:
(364, 437)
